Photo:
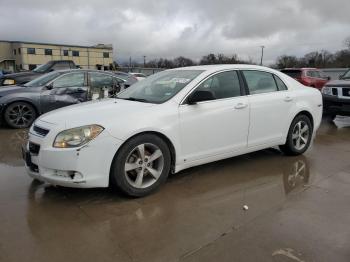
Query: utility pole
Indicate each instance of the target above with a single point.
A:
(262, 54)
(130, 63)
(144, 61)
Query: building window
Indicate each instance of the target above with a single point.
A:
(105, 54)
(31, 51)
(14, 51)
(48, 51)
(65, 52)
(19, 51)
(75, 53)
(32, 67)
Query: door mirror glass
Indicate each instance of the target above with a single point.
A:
(49, 87)
(200, 96)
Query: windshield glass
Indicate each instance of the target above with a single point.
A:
(159, 87)
(42, 68)
(43, 80)
(346, 75)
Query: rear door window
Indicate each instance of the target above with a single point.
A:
(260, 82)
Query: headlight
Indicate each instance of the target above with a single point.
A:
(8, 82)
(77, 136)
(327, 90)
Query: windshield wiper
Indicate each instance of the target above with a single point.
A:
(135, 99)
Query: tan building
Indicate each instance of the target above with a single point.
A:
(17, 55)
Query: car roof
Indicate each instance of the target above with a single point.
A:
(85, 70)
(214, 68)
(301, 68)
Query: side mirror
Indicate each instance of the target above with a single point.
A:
(200, 96)
(340, 77)
(51, 70)
(49, 87)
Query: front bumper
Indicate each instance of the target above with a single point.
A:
(84, 167)
(336, 105)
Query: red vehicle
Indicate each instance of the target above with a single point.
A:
(307, 76)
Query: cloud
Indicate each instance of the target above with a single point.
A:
(191, 28)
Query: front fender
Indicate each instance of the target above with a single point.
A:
(9, 99)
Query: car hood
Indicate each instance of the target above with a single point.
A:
(11, 89)
(22, 74)
(339, 83)
(100, 112)
(22, 77)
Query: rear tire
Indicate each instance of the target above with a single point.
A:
(299, 136)
(141, 165)
(20, 115)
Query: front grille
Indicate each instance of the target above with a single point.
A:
(335, 91)
(40, 131)
(346, 92)
(34, 148)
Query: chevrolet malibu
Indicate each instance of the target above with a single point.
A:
(171, 121)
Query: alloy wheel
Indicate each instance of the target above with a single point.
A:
(21, 115)
(144, 165)
(300, 135)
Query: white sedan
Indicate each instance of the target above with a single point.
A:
(171, 121)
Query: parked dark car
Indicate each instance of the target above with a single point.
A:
(312, 77)
(336, 96)
(20, 105)
(24, 77)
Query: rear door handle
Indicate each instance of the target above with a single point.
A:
(288, 99)
(241, 106)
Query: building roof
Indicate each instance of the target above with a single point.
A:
(98, 46)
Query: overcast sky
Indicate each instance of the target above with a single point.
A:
(192, 28)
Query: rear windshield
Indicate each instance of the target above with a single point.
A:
(292, 73)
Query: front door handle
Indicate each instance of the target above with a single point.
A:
(288, 99)
(241, 106)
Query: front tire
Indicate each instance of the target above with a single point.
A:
(20, 115)
(141, 165)
(299, 136)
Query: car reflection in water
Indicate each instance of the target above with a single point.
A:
(342, 121)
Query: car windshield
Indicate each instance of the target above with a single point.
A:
(43, 80)
(346, 75)
(159, 87)
(42, 68)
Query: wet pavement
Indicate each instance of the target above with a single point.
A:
(298, 210)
